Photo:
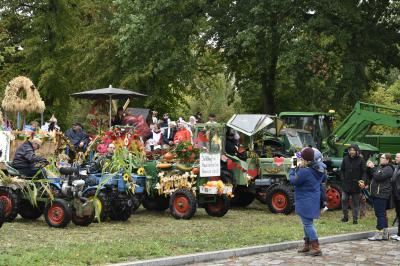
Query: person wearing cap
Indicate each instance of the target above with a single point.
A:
(169, 133)
(352, 170)
(77, 136)
(25, 159)
(307, 193)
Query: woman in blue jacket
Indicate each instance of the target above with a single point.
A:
(307, 193)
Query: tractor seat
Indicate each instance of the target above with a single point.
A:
(11, 170)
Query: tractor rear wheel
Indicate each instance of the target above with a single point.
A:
(121, 210)
(280, 199)
(11, 201)
(58, 213)
(219, 208)
(183, 204)
(29, 212)
(333, 196)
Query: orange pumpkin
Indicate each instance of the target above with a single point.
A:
(168, 156)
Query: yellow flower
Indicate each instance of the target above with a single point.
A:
(126, 177)
(140, 171)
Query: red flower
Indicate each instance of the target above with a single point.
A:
(184, 150)
(190, 148)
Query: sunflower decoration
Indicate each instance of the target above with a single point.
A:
(127, 177)
(141, 171)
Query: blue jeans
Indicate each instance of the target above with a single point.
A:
(309, 229)
(380, 212)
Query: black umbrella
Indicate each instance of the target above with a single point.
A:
(109, 93)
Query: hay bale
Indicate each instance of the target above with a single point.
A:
(12, 101)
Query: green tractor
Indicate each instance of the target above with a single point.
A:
(354, 129)
(261, 170)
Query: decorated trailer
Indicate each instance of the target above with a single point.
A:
(190, 176)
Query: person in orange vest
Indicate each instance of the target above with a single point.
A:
(182, 134)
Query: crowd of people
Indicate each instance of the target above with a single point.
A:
(165, 132)
(384, 186)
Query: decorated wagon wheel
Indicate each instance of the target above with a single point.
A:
(182, 204)
(10, 199)
(22, 96)
(280, 199)
(219, 208)
(58, 213)
(334, 197)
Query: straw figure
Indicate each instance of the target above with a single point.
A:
(30, 103)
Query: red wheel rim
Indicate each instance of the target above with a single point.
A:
(216, 207)
(56, 214)
(7, 204)
(333, 198)
(181, 204)
(279, 201)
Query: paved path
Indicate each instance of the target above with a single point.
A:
(362, 252)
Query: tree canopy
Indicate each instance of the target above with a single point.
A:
(264, 56)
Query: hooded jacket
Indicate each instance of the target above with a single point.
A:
(352, 170)
(307, 191)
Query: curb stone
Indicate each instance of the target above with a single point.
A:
(224, 254)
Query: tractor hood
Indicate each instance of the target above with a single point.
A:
(249, 124)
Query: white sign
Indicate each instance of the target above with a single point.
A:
(210, 164)
(4, 146)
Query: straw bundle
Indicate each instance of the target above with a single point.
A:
(32, 102)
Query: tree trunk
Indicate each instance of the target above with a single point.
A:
(268, 75)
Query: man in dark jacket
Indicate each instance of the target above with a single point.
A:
(77, 136)
(353, 169)
(25, 159)
(396, 194)
(169, 133)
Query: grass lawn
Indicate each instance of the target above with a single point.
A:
(150, 235)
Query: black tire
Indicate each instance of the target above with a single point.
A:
(182, 204)
(57, 213)
(2, 220)
(242, 198)
(102, 202)
(218, 209)
(334, 196)
(280, 199)
(156, 203)
(11, 202)
(27, 211)
(120, 212)
(261, 195)
(136, 202)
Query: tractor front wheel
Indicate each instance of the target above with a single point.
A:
(219, 208)
(58, 213)
(182, 204)
(280, 199)
(10, 199)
